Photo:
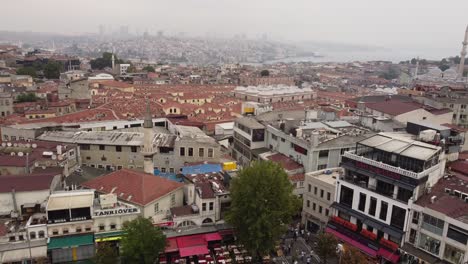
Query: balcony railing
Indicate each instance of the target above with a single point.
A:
(378, 164)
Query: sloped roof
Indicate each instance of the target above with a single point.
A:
(393, 107)
(133, 186)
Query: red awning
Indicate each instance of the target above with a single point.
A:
(191, 241)
(363, 248)
(392, 257)
(171, 245)
(213, 237)
(193, 251)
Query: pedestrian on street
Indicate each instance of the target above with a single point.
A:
(302, 232)
(302, 256)
(295, 236)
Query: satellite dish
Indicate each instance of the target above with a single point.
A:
(20, 154)
(28, 145)
(3, 144)
(34, 145)
(9, 144)
(12, 154)
(15, 145)
(54, 157)
(36, 164)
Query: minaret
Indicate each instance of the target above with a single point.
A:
(463, 54)
(147, 150)
(113, 61)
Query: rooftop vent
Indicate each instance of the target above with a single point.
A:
(433, 198)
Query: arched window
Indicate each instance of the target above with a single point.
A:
(32, 235)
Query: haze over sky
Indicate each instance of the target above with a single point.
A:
(422, 26)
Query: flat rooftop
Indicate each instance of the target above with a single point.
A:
(401, 144)
(328, 176)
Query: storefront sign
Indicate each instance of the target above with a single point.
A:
(118, 211)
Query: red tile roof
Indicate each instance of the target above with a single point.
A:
(460, 166)
(297, 177)
(285, 162)
(137, 187)
(26, 183)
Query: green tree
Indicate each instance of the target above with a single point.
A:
(443, 67)
(413, 61)
(26, 97)
(149, 68)
(264, 73)
(52, 69)
(262, 206)
(326, 246)
(105, 254)
(352, 255)
(392, 73)
(142, 241)
(456, 59)
(105, 61)
(27, 71)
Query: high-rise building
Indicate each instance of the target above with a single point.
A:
(384, 175)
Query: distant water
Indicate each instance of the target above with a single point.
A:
(348, 56)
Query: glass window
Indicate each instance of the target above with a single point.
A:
(327, 212)
(309, 188)
(133, 149)
(156, 208)
(211, 206)
(32, 235)
(182, 151)
(457, 234)
(404, 194)
(308, 203)
(383, 210)
(210, 153)
(433, 224)
(118, 148)
(41, 234)
(429, 244)
(101, 227)
(201, 152)
(346, 197)
(102, 147)
(321, 193)
(314, 206)
(415, 217)
(323, 153)
(258, 135)
(453, 254)
(320, 209)
(328, 196)
(315, 190)
(362, 202)
(372, 206)
(113, 226)
(398, 217)
(203, 206)
(190, 152)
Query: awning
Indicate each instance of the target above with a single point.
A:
(213, 237)
(70, 241)
(110, 236)
(193, 251)
(353, 243)
(392, 257)
(171, 245)
(191, 241)
(393, 231)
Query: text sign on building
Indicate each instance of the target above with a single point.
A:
(118, 211)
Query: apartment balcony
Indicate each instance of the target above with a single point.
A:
(400, 171)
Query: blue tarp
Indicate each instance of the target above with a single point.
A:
(169, 176)
(202, 168)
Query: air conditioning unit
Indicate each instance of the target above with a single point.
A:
(447, 190)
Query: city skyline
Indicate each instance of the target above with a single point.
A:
(358, 22)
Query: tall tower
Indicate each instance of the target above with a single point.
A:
(113, 61)
(463, 54)
(148, 151)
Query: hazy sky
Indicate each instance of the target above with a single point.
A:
(429, 25)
